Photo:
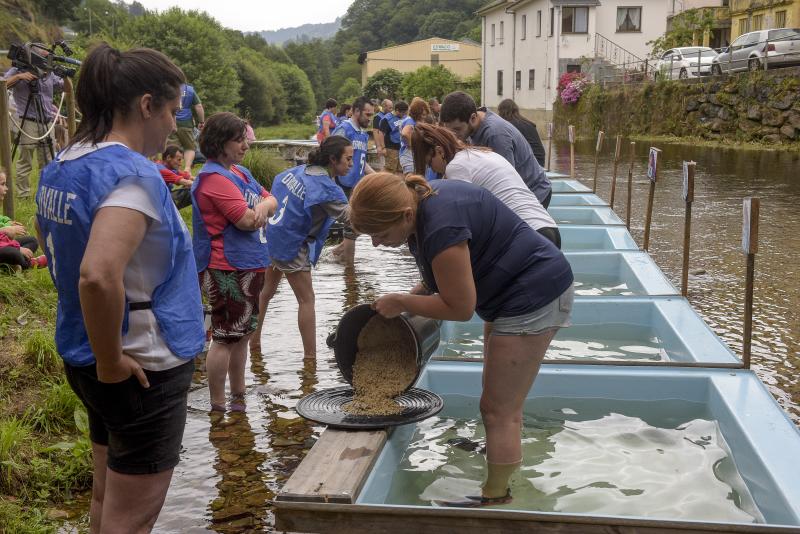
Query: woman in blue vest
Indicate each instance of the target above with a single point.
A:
(418, 112)
(229, 214)
(309, 201)
(475, 255)
(327, 120)
(129, 318)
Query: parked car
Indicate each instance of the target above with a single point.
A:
(779, 48)
(682, 62)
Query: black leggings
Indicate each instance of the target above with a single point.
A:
(12, 255)
(552, 234)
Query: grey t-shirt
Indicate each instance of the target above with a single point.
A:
(501, 136)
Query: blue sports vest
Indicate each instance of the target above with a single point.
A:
(68, 196)
(296, 193)
(187, 97)
(243, 250)
(322, 118)
(395, 124)
(403, 124)
(359, 138)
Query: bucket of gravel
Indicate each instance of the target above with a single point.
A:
(381, 359)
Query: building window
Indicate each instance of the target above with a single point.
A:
(500, 37)
(629, 19)
(743, 26)
(574, 20)
(518, 80)
(434, 60)
(549, 76)
(573, 68)
(492, 41)
(552, 21)
(539, 23)
(758, 22)
(500, 83)
(524, 29)
(532, 79)
(780, 19)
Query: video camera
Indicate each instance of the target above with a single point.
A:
(40, 60)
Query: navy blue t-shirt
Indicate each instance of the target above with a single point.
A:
(516, 270)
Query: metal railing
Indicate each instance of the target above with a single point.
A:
(607, 49)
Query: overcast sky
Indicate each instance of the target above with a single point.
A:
(255, 15)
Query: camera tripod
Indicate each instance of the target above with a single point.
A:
(36, 102)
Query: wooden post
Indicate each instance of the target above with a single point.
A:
(688, 197)
(597, 150)
(652, 174)
(549, 143)
(617, 152)
(70, 97)
(750, 210)
(5, 151)
(571, 131)
(630, 186)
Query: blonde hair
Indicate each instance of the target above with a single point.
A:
(418, 108)
(379, 200)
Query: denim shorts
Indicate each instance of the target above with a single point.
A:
(142, 428)
(551, 316)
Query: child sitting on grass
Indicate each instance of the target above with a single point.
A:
(16, 248)
(170, 168)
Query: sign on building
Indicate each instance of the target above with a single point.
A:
(444, 47)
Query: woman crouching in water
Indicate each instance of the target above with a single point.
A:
(475, 255)
(309, 202)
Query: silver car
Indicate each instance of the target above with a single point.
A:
(685, 62)
(760, 49)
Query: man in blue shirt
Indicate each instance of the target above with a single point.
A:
(380, 144)
(191, 109)
(482, 127)
(354, 129)
(32, 126)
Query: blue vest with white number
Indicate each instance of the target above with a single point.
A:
(69, 194)
(406, 122)
(296, 193)
(359, 138)
(395, 124)
(244, 250)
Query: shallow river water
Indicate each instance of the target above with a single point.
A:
(231, 469)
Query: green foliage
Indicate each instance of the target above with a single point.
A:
(349, 91)
(197, 44)
(428, 82)
(14, 440)
(314, 58)
(348, 68)
(55, 410)
(472, 86)
(22, 519)
(287, 130)
(300, 98)
(264, 166)
(684, 26)
(40, 347)
(384, 84)
(95, 16)
(262, 95)
(439, 23)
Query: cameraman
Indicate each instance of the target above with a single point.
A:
(32, 126)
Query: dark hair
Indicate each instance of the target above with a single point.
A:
(110, 80)
(332, 147)
(360, 102)
(433, 101)
(509, 110)
(343, 109)
(401, 106)
(330, 103)
(219, 129)
(424, 140)
(170, 151)
(457, 106)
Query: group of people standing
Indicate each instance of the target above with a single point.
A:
(128, 274)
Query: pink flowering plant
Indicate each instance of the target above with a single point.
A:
(571, 86)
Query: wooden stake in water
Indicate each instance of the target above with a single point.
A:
(688, 198)
(70, 97)
(630, 186)
(617, 152)
(652, 174)
(549, 143)
(597, 150)
(750, 209)
(5, 151)
(571, 131)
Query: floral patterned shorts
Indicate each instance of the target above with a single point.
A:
(233, 296)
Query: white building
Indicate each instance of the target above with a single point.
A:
(528, 44)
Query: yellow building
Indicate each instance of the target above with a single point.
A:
(460, 57)
(752, 15)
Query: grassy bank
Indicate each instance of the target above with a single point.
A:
(45, 454)
(289, 130)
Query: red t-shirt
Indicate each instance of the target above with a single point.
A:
(172, 177)
(221, 203)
